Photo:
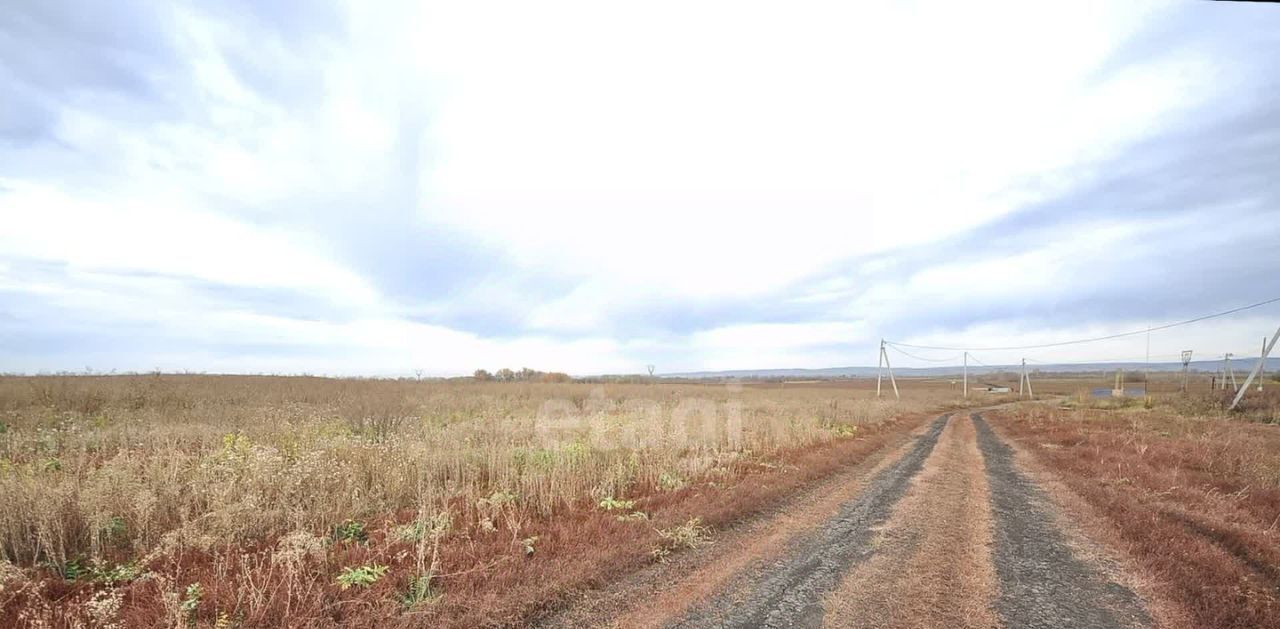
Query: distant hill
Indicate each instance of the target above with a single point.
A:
(1242, 366)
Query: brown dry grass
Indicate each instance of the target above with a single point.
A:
(140, 487)
(1194, 502)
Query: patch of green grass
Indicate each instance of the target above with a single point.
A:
(361, 576)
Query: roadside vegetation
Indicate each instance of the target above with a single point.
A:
(1189, 491)
(223, 501)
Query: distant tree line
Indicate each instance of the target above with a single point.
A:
(524, 375)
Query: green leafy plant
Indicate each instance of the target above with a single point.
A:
(351, 531)
(843, 430)
(118, 573)
(612, 504)
(670, 482)
(115, 529)
(419, 592)
(73, 569)
(191, 602)
(412, 532)
(235, 446)
(497, 500)
(361, 576)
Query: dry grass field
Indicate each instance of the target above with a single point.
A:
(164, 500)
(225, 501)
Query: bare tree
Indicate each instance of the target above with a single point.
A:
(650, 368)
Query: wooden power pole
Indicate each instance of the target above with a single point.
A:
(884, 362)
(1257, 369)
(1186, 360)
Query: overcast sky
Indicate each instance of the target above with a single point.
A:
(375, 188)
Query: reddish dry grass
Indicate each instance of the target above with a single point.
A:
(487, 580)
(1194, 503)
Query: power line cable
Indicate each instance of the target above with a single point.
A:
(930, 360)
(975, 359)
(1138, 359)
(1095, 339)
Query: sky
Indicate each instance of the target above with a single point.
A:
(389, 188)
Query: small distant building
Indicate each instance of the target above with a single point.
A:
(995, 389)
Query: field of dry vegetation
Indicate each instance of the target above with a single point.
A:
(222, 501)
(226, 501)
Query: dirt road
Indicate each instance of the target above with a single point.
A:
(944, 531)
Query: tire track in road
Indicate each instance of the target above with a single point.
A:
(1042, 582)
(789, 591)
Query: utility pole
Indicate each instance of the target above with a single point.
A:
(1226, 360)
(1262, 366)
(884, 359)
(1031, 394)
(1186, 360)
(1146, 368)
(1257, 369)
(966, 375)
(1232, 370)
(1025, 378)
(888, 367)
(879, 367)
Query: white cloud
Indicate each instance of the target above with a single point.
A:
(672, 158)
(740, 147)
(162, 235)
